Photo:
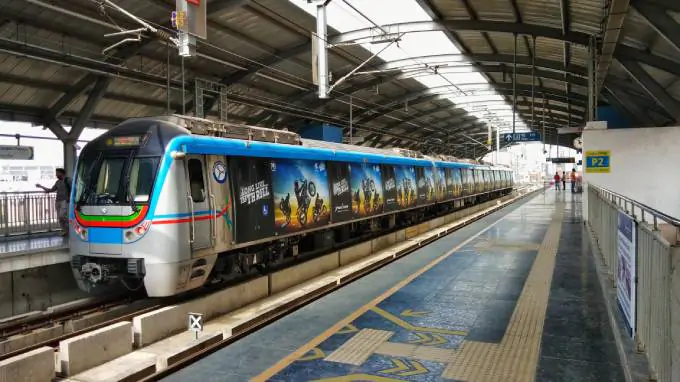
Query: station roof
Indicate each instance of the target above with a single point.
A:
(53, 71)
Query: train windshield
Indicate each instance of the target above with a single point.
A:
(122, 180)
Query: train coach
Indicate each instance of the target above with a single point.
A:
(172, 203)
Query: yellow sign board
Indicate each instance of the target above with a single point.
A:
(598, 161)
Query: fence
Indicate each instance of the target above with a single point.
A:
(26, 213)
(657, 315)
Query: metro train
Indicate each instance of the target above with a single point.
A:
(174, 203)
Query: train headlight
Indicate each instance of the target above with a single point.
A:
(137, 232)
(80, 231)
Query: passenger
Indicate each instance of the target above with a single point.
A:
(573, 180)
(63, 189)
(564, 180)
(556, 178)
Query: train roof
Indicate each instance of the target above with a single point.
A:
(218, 129)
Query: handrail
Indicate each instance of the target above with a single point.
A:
(656, 214)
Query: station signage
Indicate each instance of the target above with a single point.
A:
(16, 152)
(531, 136)
(561, 160)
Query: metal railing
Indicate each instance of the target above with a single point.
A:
(27, 213)
(658, 282)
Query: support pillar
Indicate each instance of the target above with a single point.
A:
(70, 156)
(320, 51)
(592, 82)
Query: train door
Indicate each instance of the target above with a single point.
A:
(199, 200)
(220, 200)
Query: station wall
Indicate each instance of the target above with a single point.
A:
(643, 165)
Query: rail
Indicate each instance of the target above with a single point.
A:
(657, 288)
(27, 213)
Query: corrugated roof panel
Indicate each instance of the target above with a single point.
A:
(454, 10)
(493, 10)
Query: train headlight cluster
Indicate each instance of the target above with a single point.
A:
(80, 231)
(137, 232)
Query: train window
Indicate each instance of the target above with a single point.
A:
(142, 175)
(110, 177)
(196, 182)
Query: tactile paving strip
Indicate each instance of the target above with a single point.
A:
(357, 350)
(516, 357)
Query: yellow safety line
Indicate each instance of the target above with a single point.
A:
(282, 364)
(408, 326)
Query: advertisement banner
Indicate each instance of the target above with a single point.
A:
(405, 177)
(367, 189)
(341, 192)
(440, 180)
(425, 177)
(450, 184)
(625, 277)
(457, 182)
(251, 185)
(301, 193)
(390, 188)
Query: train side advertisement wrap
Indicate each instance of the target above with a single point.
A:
(251, 184)
(406, 186)
(341, 192)
(425, 177)
(441, 183)
(450, 186)
(301, 194)
(367, 189)
(457, 180)
(390, 186)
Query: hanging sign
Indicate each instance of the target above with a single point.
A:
(16, 152)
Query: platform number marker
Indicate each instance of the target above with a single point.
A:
(195, 323)
(598, 161)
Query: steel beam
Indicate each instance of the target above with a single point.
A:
(652, 87)
(220, 6)
(441, 91)
(460, 25)
(659, 19)
(88, 109)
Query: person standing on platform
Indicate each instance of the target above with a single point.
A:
(63, 189)
(564, 181)
(556, 178)
(573, 180)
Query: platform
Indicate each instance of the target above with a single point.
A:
(31, 252)
(513, 297)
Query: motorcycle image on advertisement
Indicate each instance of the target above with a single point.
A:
(284, 206)
(318, 210)
(304, 192)
(376, 201)
(368, 186)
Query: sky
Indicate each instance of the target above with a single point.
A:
(451, 77)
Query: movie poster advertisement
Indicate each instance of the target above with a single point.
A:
(450, 185)
(367, 189)
(405, 177)
(341, 192)
(390, 188)
(440, 180)
(301, 194)
(251, 185)
(457, 182)
(426, 191)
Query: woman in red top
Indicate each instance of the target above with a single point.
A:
(557, 180)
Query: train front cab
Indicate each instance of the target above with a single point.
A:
(127, 213)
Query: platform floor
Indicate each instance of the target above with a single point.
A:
(32, 244)
(513, 297)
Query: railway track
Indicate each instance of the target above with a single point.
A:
(128, 308)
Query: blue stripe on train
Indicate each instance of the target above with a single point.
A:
(192, 144)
